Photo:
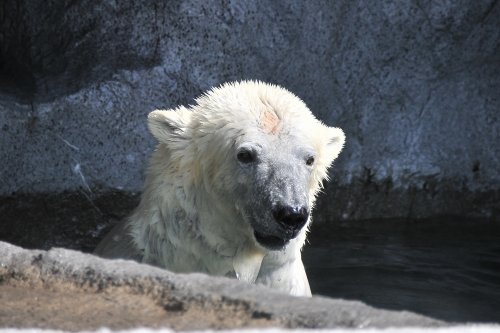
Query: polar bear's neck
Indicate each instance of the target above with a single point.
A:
(177, 215)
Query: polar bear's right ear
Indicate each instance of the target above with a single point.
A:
(169, 125)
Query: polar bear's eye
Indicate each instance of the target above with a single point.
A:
(245, 156)
(310, 160)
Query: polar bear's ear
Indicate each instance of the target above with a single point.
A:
(336, 140)
(169, 125)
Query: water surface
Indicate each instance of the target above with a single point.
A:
(444, 268)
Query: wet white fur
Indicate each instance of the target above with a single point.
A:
(185, 222)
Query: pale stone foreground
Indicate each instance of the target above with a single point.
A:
(451, 329)
(71, 291)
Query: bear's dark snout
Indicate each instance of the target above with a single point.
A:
(291, 217)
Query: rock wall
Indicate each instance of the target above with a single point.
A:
(414, 84)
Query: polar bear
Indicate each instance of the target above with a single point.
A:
(230, 187)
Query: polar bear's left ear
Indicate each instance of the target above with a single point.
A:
(169, 126)
(336, 140)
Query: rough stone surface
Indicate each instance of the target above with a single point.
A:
(63, 289)
(413, 84)
(450, 329)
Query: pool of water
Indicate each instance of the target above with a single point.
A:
(444, 268)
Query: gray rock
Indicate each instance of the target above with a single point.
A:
(50, 277)
(413, 84)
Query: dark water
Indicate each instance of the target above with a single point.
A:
(445, 268)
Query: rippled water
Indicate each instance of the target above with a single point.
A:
(446, 269)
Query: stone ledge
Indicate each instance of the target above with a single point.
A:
(450, 329)
(68, 290)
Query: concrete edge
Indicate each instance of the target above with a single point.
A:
(93, 274)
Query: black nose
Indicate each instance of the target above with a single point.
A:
(292, 217)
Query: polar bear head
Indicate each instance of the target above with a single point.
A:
(254, 153)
